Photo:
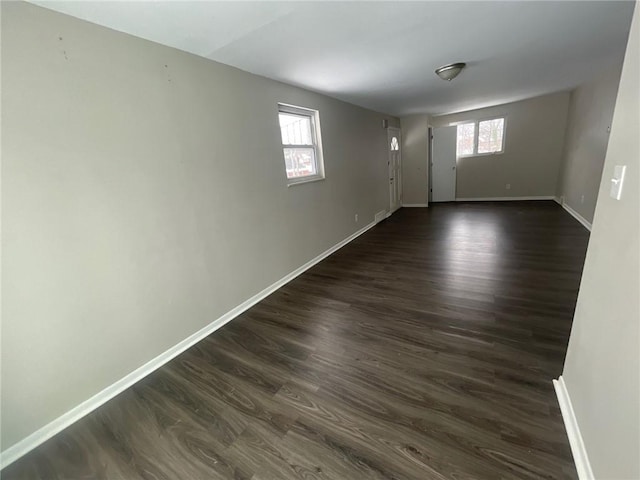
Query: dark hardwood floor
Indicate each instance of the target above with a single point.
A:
(425, 349)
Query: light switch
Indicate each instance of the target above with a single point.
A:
(617, 180)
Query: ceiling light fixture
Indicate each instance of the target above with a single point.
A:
(451, 71)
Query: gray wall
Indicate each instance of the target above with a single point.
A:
(602, 368)
(415, 159)
(143, 196)
(590, 114)
(532, 156)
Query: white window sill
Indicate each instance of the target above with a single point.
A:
(481, 154)
(304, 180)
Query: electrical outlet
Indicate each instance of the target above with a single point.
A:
(356, 218)
(508, 186)
(582, 199)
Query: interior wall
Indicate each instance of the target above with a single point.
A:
(534, 140)
(602, 367)
(589, 121)
(143, 196)
(415, 159)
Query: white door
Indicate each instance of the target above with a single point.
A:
(443, 166)
(395, 171)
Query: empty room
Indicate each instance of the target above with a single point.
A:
(320, 240)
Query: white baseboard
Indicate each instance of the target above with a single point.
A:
(577, 216)
(381, 215)
(27, 444)
(504, 199)
(415, 205)
(391, 212)
(573, 431)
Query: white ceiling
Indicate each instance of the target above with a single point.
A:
(382, 55)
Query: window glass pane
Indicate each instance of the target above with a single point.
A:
(295, 129)
(465, 138)
(300, 162)
(490, 135)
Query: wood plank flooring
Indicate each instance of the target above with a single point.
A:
(425, 349)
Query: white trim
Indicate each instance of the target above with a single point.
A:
(578, 449)
(577, 216)
(380, 216)
(476, 135)
(307, 179)
(27, 444)
(504, 199)
(392, 212)
(395, 132)
(560, 201)
(485, 154)
(316, 145)
(414, 205)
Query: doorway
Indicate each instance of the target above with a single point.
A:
(443, 164)
(395, 169)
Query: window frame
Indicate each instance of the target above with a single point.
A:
(316, 145)
(476, 136)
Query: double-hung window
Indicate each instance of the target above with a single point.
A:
(300, 131)
(482, 137)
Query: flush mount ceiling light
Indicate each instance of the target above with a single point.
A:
(451, 71)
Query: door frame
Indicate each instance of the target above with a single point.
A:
(432, 162)
(394, 132)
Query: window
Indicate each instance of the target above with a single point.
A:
(300, 131)
(481, 137)
(466, 139)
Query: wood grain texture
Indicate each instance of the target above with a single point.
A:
(424, 349)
